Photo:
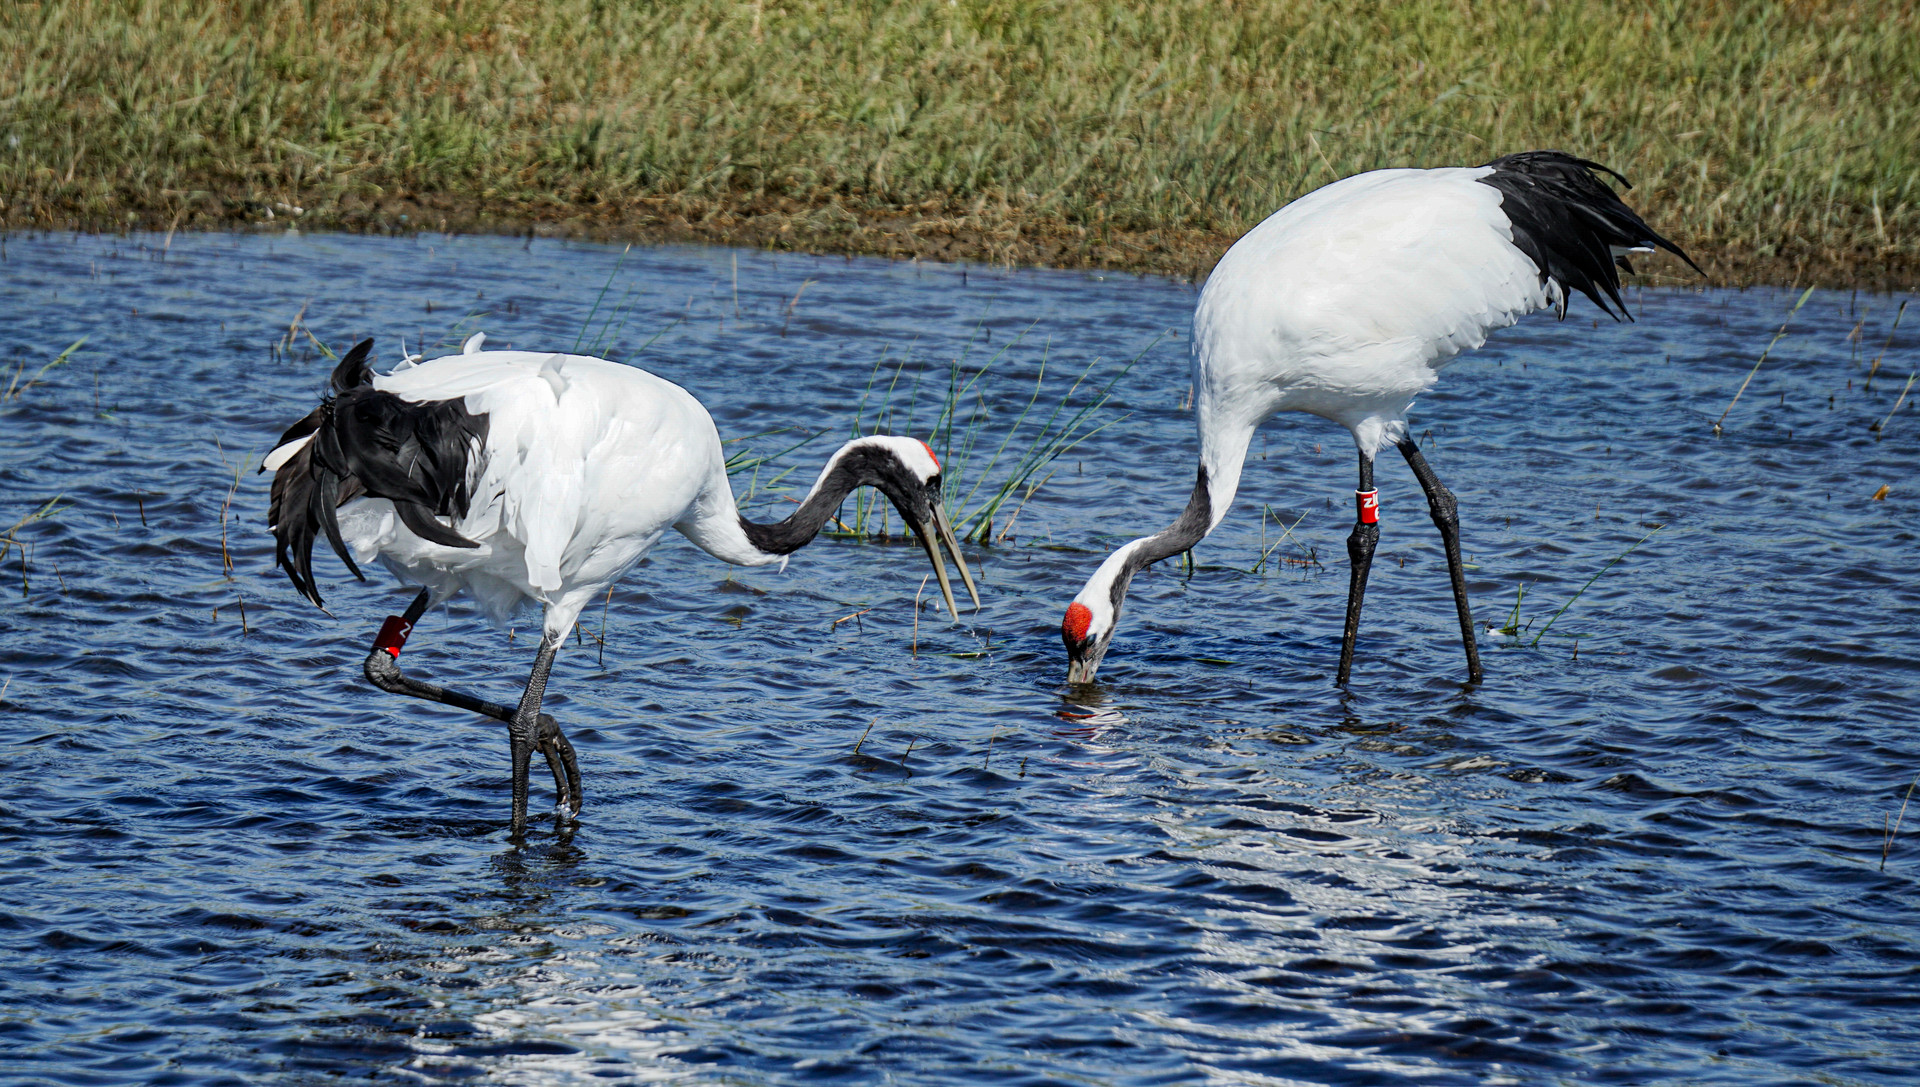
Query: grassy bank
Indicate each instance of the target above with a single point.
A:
(1779, 141)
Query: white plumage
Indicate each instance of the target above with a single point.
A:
(529, 477)
(1345, 304)
(586, 463)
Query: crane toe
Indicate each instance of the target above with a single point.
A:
(553, 744)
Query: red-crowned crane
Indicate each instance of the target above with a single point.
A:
(530, 477)
(1345, 304)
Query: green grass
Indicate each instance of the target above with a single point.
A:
(1779, 140)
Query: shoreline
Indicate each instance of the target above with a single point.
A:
(835, 229)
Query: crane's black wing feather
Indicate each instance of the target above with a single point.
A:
(1568, 222)
(419, 455)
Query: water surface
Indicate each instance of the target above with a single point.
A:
(1645, 850)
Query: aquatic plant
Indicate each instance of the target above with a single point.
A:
(17, 388)
(1306, 557)
(1804, 295)
(1589, 584)
(966, 424)
(1513, 627)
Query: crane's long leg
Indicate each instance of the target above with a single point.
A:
(383, 671)
(1366, 533)
(1446, 517)
(524, 727)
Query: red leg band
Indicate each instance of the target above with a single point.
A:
(1369, 502)
(393, 635)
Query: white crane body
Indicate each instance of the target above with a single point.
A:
(524, 477)
(586, 464)
(1345, 304)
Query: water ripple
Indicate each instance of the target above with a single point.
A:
(1646, 850)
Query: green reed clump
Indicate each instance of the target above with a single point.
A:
(1028, 444)
(992, 449)
(1135, 134)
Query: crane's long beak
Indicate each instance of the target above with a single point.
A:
(939, 568)
(936, 535)
(953, 546)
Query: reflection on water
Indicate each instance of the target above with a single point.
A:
(874, 850)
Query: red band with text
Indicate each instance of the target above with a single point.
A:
(1369, 502)
(393, 635)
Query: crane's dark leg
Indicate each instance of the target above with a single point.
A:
(1447, 518)
(523, 729)
(383, 671)
(1366, 533)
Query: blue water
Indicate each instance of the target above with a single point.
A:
(893, 850)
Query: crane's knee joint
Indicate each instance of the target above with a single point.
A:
(523, 731)
(383, 671)
(1446, 511)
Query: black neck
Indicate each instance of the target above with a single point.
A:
(786, 537)
(1180, 536)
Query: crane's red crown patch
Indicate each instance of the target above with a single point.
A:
(929, 449)
(1079, 619)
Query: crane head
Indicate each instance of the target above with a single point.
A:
(1087, 629)
(908, 473)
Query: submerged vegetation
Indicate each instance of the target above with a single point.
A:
(1780, 141)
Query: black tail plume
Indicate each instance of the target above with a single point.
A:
(365, 442)
(1568, 222)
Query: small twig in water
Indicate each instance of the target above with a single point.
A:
(167, 247)
(286, 343)
(856, 615)
(226, 560)
(1880, 427)
(603, 626)
(1808, 293)
(916, 615)
(804, 284)
(1875, 368)
(863, 735)
(15, 390)
(1885, 846)
(1284, 535)
(11, 537)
